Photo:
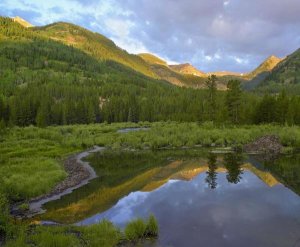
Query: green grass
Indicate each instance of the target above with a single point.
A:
(139, 229)
(152, 227)
(101, 234)
(135, 230)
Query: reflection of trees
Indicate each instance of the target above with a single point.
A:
(233, 162)
(211, 178)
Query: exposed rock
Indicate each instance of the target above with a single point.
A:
(269, 144)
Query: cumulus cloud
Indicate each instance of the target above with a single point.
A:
(214, 35)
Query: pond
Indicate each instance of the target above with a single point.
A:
(127, 130)
(198, 198)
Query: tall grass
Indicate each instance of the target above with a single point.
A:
(139, 229)
(102, 234)
(135, 230)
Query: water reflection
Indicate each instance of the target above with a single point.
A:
(215, 200)
(211, 178)
(233, 163)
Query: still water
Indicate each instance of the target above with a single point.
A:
(198, 198)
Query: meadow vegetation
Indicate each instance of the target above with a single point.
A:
(31, 158)
(101, 234)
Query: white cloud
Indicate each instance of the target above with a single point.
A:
(118, 27)
(208, 58)
(226, 3)
(240, 60)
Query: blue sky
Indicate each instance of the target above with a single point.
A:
(235, 35)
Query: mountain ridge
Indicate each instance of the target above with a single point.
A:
(187, 68)
(102, 48)
(22, 22)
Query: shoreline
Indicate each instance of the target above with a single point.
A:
(79, 173)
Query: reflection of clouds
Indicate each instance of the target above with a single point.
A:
(123, 211)
(220, 215)
(189, 213)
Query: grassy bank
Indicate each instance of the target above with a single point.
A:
(101, 234)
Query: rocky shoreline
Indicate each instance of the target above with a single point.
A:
(79, 173)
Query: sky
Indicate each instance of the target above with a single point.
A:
(213, 35)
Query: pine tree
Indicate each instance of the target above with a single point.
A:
(233, 100)
(211, 84)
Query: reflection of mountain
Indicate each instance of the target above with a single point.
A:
(265, 176)
(105, 197)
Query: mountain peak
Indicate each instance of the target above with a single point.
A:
(22, 22)
(266, 66)
(187, 68)
(273, 58)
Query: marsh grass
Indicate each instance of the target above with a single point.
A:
(152, 228)
(102, 234)
(135, 230)
(139, 229)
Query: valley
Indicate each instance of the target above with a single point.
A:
(169, 155)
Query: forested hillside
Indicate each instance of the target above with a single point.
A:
(46, 82)
(94, 44)
(286, 75)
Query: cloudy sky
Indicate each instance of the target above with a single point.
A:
(213, 35)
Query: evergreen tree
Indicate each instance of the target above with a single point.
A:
(233, 100)
(211, 84)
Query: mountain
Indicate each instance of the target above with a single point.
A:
(287, 72)
(161, 69)
(151, 59)
(225, 73)
(187, 69)
(94, 44)
(22, 22)
(264, 67)
(254, 78)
